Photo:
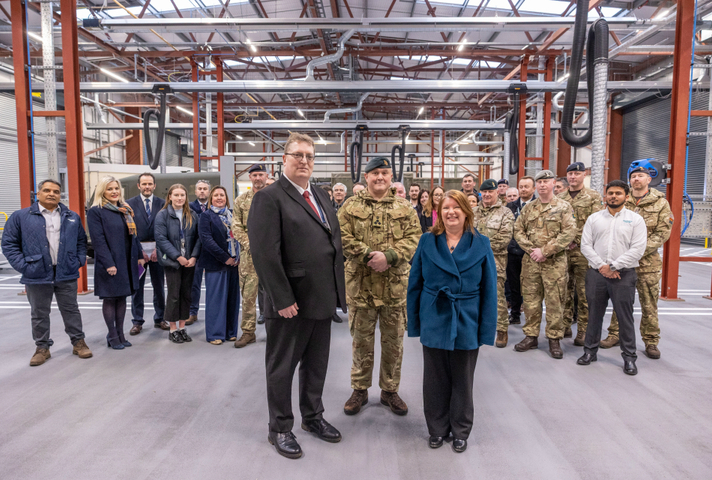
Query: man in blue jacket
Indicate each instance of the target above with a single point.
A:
(145, 207)
(47, 244)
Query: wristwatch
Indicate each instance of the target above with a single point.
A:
(613, 269)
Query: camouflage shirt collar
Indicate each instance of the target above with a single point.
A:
(389, 197)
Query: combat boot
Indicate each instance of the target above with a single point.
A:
(81, 349)
(610, 341)
(580, 337)
(529, 343)
(555, 349)
(41, 355)
(358, 399)
(515, 318)
(394, 402)
(245, 340)
(652, 351)
(568, 333)
(191, 320)
(502, 338)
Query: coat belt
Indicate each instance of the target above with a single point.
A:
(454, 299)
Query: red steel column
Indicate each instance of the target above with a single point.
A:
(523, 121)
(73, 118)
(679, 111)
(546, 141)
(196, 122)
(22, 102)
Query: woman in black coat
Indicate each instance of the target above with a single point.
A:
(177, 248)
(117, 256)
(428, 213)
(219, 258)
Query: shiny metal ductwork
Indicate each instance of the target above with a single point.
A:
(355, 109)
(329, 58)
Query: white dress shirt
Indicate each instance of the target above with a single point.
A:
(53, 221)
(617, 240)
(312, 197)
(150, 202)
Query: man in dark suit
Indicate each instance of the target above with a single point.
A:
(515, 253)
(296, 249)
(199, 205)
(145, 207)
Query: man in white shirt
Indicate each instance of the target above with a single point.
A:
(613, 240)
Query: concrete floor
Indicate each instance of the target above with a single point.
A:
(159, 410)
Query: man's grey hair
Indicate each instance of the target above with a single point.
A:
(563, 181)
(512, 189)
(49, 180)
(395, 184)
(340, 185)
(206, 182)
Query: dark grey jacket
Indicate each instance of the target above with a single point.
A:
(167, 233)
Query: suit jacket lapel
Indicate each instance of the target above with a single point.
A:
(292, 192)
(143, 208)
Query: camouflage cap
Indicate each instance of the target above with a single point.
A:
(488, 185)
(378, 162)
(544, 175)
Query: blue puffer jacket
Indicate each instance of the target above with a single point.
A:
(25, 245)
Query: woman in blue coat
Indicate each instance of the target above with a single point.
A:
(219, 258)
(116, 256)
(452, 307)
(177, 249)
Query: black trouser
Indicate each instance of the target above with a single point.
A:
(40, 298)
(159, 301)
(622, 294)
(448, 378)
(514, 278)
(179, 293)
(292, 341)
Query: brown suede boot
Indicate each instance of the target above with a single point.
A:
(191, 320)
(568, 333)
(529, 343)
(358, 399)
(652, 351)
(245, 340)
(502, 338)
(41, 355)
(580, 337)
(610, 341)
(392, 400)
(81, 349)
(555, 349)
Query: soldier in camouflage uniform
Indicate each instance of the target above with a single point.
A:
(494, 220)
(379, 234)
(249, 283)
(543, 230)
(502, 187)
(584, 201)
(655, 210)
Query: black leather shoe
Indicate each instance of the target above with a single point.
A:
(184, 335)
(175, 337)
(336, 318)
(322, 429)
(459, 445)
(286, 444)
(435, 442)
(629, 367)
(586, 359)
(260, 319)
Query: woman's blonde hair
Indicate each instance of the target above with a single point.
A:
(99, 200)
(429, 207)
(461, 200)
(210, 197)
(187, 213)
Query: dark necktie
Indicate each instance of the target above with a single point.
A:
(148, 207)
(306, 197)
(202, 207)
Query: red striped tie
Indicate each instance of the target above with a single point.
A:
(306, 197)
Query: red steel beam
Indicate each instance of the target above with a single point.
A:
(25, 146)
(196, 123)
(73, 118)
(679, 110)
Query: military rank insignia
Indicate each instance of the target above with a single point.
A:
(378, 220)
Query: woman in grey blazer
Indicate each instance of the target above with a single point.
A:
(178, 248)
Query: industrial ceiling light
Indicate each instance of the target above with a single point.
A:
(420, 112)
(299, 111)
(564, 77)
(185, 111)
(662, 14)
(462, 45)
(251, 143)
(34, 36)
(111, 74)
(239, 137)
(251, 46)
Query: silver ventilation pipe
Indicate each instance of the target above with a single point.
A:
(480, 142)
(329, 58)
(355, 109)
(599, 126)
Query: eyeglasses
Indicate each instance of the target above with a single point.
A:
(300, 156)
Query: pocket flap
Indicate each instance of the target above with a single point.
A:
(33, 258)
(296, 272)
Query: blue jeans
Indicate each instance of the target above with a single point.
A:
(159, 299)
(195, 291)
(222, 303)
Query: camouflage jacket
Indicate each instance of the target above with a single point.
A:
(503, 199)
(549, 226)
(239, 219)
(389, 225)
(586, 202)
(658, 217)
(497, 224)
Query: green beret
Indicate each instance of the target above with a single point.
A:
(488, 185)
(378, 162)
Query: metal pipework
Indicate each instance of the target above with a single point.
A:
(328, 58)
(556, 107)
(481, 142)
(355, 109)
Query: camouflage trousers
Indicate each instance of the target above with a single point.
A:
(362, 325)
(648, 287)
(502, 315)
(577, 268)
(249, 286)
(545, 281)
